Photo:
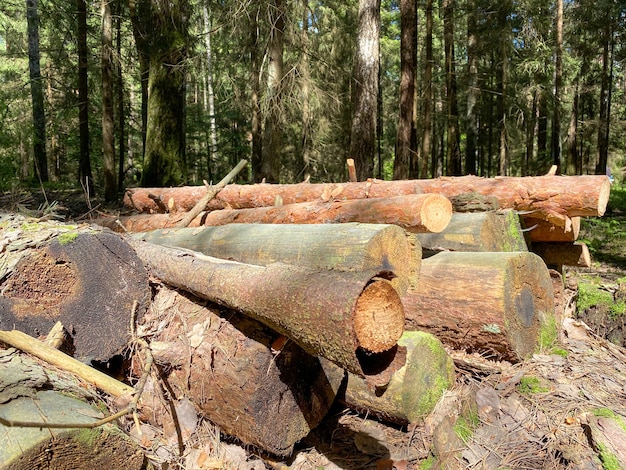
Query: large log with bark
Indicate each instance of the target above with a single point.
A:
(238, 373)
(539, 230)
(554, 198)
(351, 318)
(414, 212)
(342, 247)
(32, 394)
(413, 390)
(497, 304)
(90, 281)
(477, 231)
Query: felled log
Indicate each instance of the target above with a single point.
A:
(539, 230)
(563, 254)
(237, 372)
(414, 212)
(350, 318)
(555, 198)
(29, 394)
(413, 390)
(477, 231)
(88, 280)
(343, 247)
(493, 303)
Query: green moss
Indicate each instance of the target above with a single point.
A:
(67, 238)
(590, 294)
(559, 352)
(548, 334)
(531, 384)
(88, 437)
(608, 413)
(609, 460)
(30, 226)
(427, 463)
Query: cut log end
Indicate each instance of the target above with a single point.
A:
(603, 196)
(378, 317)
(436, 213)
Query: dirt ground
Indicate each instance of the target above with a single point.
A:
(561, 409)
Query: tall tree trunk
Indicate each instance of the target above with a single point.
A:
(305, 78)
(531, 123)
(365, 89)
(119, 79)
(408, 65)
(255, 92)
(272, 133)
(603, 118)
(165, 161)
(428, 93)
(574, 165)
(141, 19)
(502, 78)
(84, 164)
(542, 130)
(472, 92)
(108, 132)
(558, 83)
(209, 90)
(454, 166)
(36, 90)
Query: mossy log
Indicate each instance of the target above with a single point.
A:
(477, 231)
(88, 280)
(555, 198)
(342, 247)
(497, 304)
(350, 318)
(239, 373)
(413, 390)
(416, 213)
(31, 393)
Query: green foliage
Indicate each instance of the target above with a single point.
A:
(591, 295)
(530, 384)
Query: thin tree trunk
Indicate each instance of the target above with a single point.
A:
(209, 87)
(531, 123)
(272, 132)
(305, 78)
(140, 15)
(472, 93)
(84, 164)
(558, 83)
(572, 136)
(108, 133)
(602, 149)
(542, 130)
(502, 77)
(365, 89)
(36, 90)
(255, 92)
(428, 93)
(454, 167)
(119, 78)
(408, 65)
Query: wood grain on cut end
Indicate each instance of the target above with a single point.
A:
(378, 317)
(436, 213)
(603, 196)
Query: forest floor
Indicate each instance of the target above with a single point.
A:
(564, 408)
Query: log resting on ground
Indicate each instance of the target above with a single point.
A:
(477, 231)
(416, 213)
(233, 370)
(342, 247)
(555, 198)
(493, 303)
(89, 281)
(413, 390)
(351, 318)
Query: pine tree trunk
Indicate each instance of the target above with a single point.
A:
(36, 91)
(84, 163)
(454, 167)
(558, 85)
(365, 89)
(428, 94)
(108, 133)
(473, 92)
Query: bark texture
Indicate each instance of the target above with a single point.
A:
(337, 315)
(563, 254)
(342, 247)
(492, 303)
(542, 231)
(555, 198)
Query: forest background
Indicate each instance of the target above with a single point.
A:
(124, 92)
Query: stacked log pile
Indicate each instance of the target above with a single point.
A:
(278, 300)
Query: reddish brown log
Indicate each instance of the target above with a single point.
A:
(231, 368)
(492, 303)
(543, 231)
(417, 213)
(563, 254)
(346, 317)
(556, 198)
